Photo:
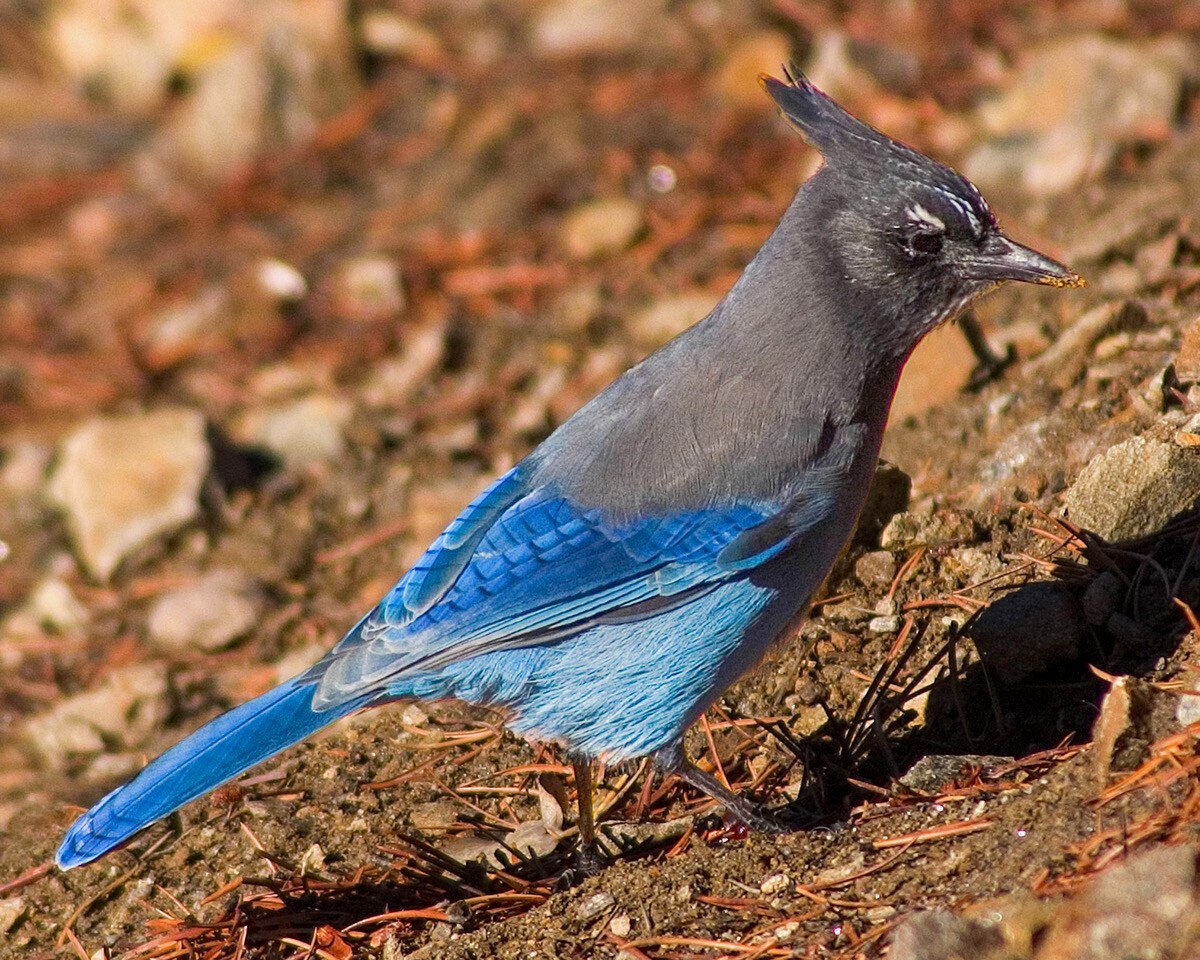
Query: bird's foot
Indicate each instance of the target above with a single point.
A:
(589, 861)
(759, 819)
(754, 816)
(744, 817)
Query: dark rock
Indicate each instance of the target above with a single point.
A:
(888, 497)
(1028, 630)
(1102, 598)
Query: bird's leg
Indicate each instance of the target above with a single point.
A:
(988, 363)
(672, 760)
(589, 860)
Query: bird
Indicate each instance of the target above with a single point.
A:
(607, 589)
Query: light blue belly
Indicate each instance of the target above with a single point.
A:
(621, 690)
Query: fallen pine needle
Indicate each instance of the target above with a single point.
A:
(934, 833)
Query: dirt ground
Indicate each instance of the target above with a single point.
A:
(929, 733)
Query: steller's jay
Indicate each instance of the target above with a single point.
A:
(606, 590)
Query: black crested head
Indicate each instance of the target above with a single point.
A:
(912, 240)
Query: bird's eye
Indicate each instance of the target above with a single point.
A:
(925, 243)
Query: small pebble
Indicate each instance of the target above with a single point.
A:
(591, 907)
(281, 281)
(775, 884)
(662, 179)
(875, 569)
(1188, 710)
(210, 614)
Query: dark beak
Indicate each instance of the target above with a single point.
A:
(1003, 259)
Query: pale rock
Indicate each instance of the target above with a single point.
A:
(875, 569)
(23, 469)
(413, 716)
(934, 773)
(938, 371)
(131, 48)
(775, 884)
(942, 935)
(918, 528)
(1073, 103)
(388, 34)
(298, 660)
(370, 285)
(666, 318)
(601, 227)
(305, 431)
(565, 28)
(759, 53)
(1188, 710)
(11, 910)
(220, 124)
(591, 907)
(1134, 488)
(468, 849)
(51, 606)
(396, 378)
(1146, 906)
(208, 615)
(808, 719)
(312, 860)
(180, 330)
(577, 307)
(123, 481)
(123, 711)
(531, 839)
(269, 77)
(552, 802)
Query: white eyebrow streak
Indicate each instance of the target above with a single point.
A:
(919, 214)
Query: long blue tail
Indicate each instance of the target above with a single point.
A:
(218, 751)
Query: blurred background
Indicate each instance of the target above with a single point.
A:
(282, 284)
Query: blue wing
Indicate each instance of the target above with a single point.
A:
(523, 566)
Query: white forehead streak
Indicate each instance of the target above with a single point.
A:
(962, 207)
(919, 214)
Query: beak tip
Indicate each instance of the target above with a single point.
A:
(1005, 259)
(1069, 279)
